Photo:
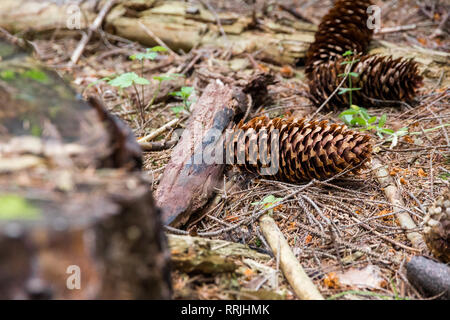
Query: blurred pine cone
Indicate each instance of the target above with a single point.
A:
(380, 79)
(343, 28)
(437, 227)
(300, 150)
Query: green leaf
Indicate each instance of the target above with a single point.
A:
(175, 94)
(343, 90)
(142, 56)
(7, 75)
(386, 131)
(186, 91)
(348, 112)
(167, 77)
(36, 75)
(364, 114)
(268, 201)
(347, 53)
(158, 49)
(141, 81)
(14, 207)
(127, 79)
(372, 120)
(347, 119)
(177, 110)
(99, 80)
(353, 74)
(382, 121)
(359, 121)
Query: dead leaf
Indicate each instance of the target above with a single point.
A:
(408, 139)
(422, 173)
(308, 239)
(286, 71)
(331, 280)
(368, 277)
(248, 273)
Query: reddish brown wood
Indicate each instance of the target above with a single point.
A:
(188, 181)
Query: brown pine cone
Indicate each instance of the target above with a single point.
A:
(437, 228)
(343, 28)
(300, 150)
(380, 79)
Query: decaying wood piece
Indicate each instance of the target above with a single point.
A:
(194, 254)
(292, 270)
(393, 195)
(73, 204)
(196, 163)
(176, 26)
(430, 277)
(43, 16)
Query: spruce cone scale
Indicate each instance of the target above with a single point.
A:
(437, 228)
(343, 28)
(380, 79)
(303, 150)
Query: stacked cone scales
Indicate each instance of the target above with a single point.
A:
(437, 227)
(342, 29)
(380, 78)
(295, 150)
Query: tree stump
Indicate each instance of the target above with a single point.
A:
(77, 217)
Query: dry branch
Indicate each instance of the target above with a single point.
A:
(393, 195)
(293, 271)
(92, 28)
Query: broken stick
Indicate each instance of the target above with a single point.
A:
(292, 270)
(92, 28)
(393, 195)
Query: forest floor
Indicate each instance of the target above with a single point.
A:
(373, 266)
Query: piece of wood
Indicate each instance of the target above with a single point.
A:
(73, 203)
(303, 286)
(430, 277)
(393, 195)
(152, 135)
(195, 254)
(43, 16)
(197, 161)
(177, 28)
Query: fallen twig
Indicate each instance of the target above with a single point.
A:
(293, 271)
(394, 197)
(92, 28)
(152, 135)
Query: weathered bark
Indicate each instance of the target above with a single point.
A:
(196, 164)
(60, 205)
